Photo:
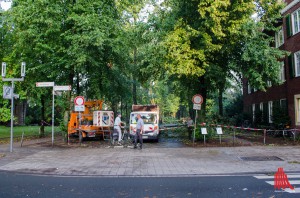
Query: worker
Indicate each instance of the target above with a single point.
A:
(117, 127)
(139, 131)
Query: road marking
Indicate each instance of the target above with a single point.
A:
(272, 177)
(291, 182)
(295, 181)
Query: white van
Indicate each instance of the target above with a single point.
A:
(150, 116)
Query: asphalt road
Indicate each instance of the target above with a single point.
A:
(21, 185)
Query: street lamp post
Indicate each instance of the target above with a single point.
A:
(11, 95)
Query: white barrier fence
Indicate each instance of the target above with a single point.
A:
(219, 131)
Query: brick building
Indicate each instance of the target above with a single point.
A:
(283, 98)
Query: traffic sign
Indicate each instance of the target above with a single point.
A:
(7, 92)
(203, 131)
(44, 84)
(197, 106)
(79, 108)
(62, 88)
(197, 99)
(79, 100)
(219, 131)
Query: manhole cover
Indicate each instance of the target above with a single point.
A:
(261, 158)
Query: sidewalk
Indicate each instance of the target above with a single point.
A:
(35, 157)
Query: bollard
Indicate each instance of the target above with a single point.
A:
(22, 139)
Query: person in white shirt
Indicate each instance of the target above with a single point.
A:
(139, 131)
(117, 126)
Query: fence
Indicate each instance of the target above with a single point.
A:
(233, 135)
(24, 132)
(246, 136)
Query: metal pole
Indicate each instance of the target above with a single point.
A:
(233, 137)
(53, 117)
(265, 131)
(80, 134)
(22, 139)
(12, 117)
(195, 128)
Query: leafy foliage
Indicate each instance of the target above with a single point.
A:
(110, 50)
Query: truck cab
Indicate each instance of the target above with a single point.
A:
(150, 116)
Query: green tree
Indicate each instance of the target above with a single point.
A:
(213, 41)
(64, 42)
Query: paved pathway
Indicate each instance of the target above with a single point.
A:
(35, 157)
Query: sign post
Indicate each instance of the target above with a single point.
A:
(79, 106)
(54, 88)
(8, 93)
(197, 100)
(49, 84)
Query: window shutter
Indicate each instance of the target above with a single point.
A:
(288, 25)
(291, 65)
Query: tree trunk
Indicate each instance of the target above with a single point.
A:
(134, 94)
(220, 99)
(77, 85)
(203, 93)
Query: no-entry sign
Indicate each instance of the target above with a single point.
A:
(79, 100)
(197, 99)
(79, 103)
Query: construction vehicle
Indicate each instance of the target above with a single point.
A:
(150, 116)
(92, 122)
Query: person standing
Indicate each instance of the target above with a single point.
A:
(139, 131)
(117, 127)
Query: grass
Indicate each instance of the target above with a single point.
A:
(29, 131)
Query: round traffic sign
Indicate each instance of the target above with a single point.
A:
(197, 99)
(79, 100)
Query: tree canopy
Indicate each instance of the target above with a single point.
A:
(149, 51)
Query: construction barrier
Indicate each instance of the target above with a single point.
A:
(219, 130)
(281, 181)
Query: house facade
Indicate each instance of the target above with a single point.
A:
(280, 102)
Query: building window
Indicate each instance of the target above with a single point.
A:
(297, 63)
(261, 106)
(249, 88)
(297, 109)
(296, 21)
(270, 108)
(279, 39)
(282, 74)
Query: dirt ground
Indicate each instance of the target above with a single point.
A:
(169, 138)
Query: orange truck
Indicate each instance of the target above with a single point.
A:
(92, 122)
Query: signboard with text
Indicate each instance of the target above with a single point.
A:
(7, 92)
(44, 84)
(62, 88)
(79, 103)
